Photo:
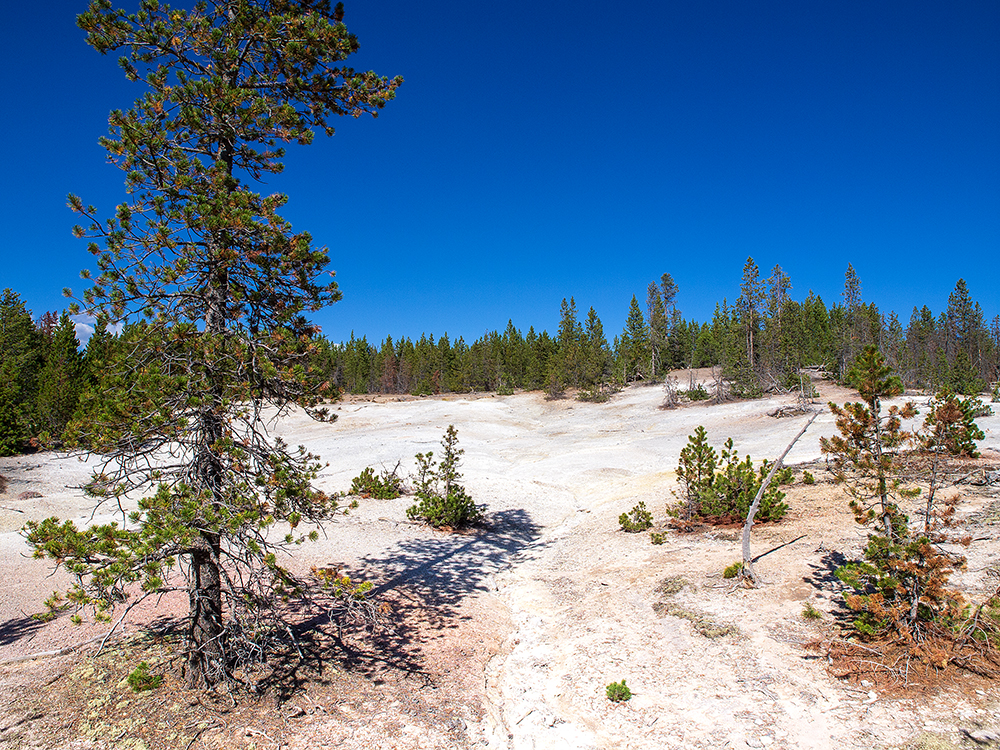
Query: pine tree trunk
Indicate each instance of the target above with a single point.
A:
(206, 654)
(207, 661)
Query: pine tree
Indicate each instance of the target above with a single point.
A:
(388, 382)
(98, 354)
(597, 358)
(965, 336)
(659, 331)
(60, 381)
(778, 285)
(866, 453)
(225, 285)
(512, 358)
(751, 297)
(567, 366)
(852, 328)
(21, 348)
(900, 587)
(633, 352)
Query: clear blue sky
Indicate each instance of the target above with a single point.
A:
(539, 150)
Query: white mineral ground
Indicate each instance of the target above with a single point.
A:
(555, 599)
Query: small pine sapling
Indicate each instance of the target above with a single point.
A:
(441, 500)
(618, 692)
(696, 471)
(809, 612)
(637, 519)
(140, 679)
(387, 486)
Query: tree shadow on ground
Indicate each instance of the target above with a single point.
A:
(823, 577)
(424, 582)
(18, 627)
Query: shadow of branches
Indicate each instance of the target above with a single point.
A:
(426, 579)
(18, 627)
(423, 581)
(823, 577)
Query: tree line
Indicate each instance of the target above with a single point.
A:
(760, 343)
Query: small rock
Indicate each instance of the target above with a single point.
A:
(28, 495)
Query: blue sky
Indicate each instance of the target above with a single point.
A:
(539, 150)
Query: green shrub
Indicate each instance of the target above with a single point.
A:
(618, 692)
(950, 424)
(783, 476)
(656, 537)
(733, 570)
(808, 478)
(441, 500)
(698, 393)
(387, 486)
(723, 486)
(809, 612)
(595, 395)
(140, 679)
(637, 519)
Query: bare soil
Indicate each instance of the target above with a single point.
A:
(506, 636)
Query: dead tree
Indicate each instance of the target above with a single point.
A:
(746, 572)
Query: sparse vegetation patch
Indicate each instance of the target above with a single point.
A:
(441, 500)
(637, 519)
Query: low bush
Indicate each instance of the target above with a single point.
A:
(595, 395)
(441, 500)
(387, 486)
(722, 487)
(618, 692)
(698, 393)
(637, 519)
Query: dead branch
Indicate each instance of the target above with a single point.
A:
(746, 572)
(48, 654)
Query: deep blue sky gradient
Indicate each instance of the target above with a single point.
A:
(539, 150)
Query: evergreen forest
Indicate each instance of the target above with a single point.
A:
(50, 387)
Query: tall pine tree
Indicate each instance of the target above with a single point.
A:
(224, 285)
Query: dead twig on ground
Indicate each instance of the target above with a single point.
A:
(48, 654)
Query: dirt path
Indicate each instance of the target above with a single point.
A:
(509, 636)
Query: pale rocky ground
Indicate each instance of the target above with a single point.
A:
(517, 630)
